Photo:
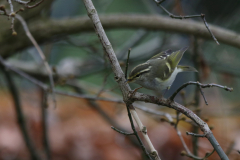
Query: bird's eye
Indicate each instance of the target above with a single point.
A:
(138, 75)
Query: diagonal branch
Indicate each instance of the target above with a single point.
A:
(187, 112)
(136, 97)
(129, 99)
(119, 75)
(40, 52)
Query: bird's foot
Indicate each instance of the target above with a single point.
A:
(134, 91)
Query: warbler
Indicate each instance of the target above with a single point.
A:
(159, 72)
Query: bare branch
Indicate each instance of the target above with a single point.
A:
(188, 16)
(21, 73)
(45, 31)
(129, 99)
(187, 153)
(195, 135)
(26, 3)
(121, 132)
(35, 5)
(34, 42)
(44, 124)
(20, 116)
(187, 112)
(127, 63)
(201, 85)
(202, 93)
(119, 75)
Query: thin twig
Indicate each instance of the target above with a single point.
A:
(22, 2)
(12, 15)
(187, 153)
(46, 88)
(177, 119)
(35, 5)
(196, 61)
(135, 132)
(185, 17)
(105, 116)
(20, 116)
(121, 132)
(44, 124)
(23, 74)
(205, 22)
(202, 93)
(198, 158)
(154, 112)
(26, 3)
(34, 42)
(103, 85)
(127, 63)
(195, 135)
(201, 85)
(187, 112)
(183, 142)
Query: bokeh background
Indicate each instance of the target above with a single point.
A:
(80, 128)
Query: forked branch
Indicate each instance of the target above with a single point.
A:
(129, 99)
(188, 16)
(201, 86)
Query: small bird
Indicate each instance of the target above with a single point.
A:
(159, 72)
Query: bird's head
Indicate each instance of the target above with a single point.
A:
(137, 73)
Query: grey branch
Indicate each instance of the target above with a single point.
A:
(200, 85)
(195, 135)
(41, 54)
(122, 132)
(50, 28)
(188, 16)
(129, 99)
(119, 75)
(187, 112)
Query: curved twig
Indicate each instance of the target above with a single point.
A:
(200, 85)
(40, 52)
(50, 28)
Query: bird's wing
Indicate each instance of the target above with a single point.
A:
(165, 63)
(162, 55)
(162, 70)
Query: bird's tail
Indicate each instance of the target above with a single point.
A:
(175, 57)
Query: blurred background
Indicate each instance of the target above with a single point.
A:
(80, 128)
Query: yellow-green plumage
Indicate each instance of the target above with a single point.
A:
(160, 71)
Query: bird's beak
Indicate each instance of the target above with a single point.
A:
(127, 81)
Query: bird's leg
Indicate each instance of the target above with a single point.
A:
(135, 90)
